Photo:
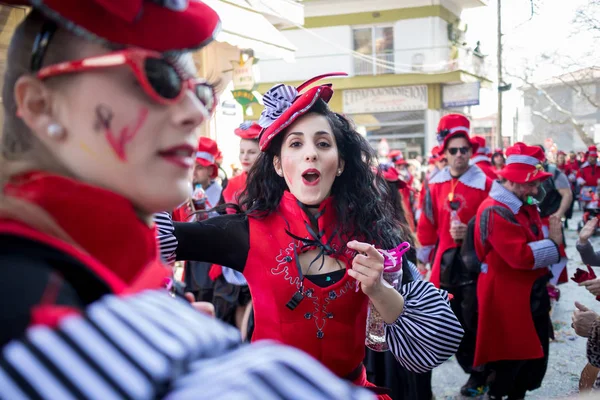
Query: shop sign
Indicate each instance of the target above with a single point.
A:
(385, 99)
(244, 81)
(461, 95)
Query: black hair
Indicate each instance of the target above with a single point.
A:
(361, 208)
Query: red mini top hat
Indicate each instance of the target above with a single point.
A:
(284, 104)
(397, 157)
(453, 125)
(482, 149)
(207, 154)
(524, 164)
(592, 151)
(248, 130)
(435, 155)
(160, 25)
(391, 174)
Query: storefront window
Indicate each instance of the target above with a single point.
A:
(375, 42)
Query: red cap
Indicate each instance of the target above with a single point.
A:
(207, 154)
(391, 174)
(592, 151)
(524, 164)
(482, 149)
(248, 130)
(284, 104)
(397, 157)
(160, 25)
(452, 125)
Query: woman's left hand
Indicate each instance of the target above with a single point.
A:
(583, 319)
(367, 267)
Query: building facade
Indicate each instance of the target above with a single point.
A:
(407, 63)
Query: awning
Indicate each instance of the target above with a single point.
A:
(247, 29)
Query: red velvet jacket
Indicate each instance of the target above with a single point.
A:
(117, 247)
(433, 229)
(510, 242)
(330, 324)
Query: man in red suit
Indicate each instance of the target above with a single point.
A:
(451, 200)
(589, 173)
(483, 157)
(514, 323)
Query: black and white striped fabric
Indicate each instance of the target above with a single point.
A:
(166, 239)
(427, 333)
(152, 346)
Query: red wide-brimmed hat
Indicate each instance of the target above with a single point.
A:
(248, 130)
(453, 125)
(391, 174)
(592, 151)
(482, 149)
(524, 164)
(284, 104)
(160, 25)
(397, 157)
(207, 154)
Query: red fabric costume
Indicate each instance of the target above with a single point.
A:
(513, 256)
(433, 230)
(108, 236)
(588, 174)
(234, 188)
(485, 164)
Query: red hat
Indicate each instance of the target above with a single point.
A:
(524, 164)
(498, 151)
(207, 154)
(284, 104)
(561, 152)
(397, 157)
(391, 174)
(172, 25)
(592, 151)
(248, 130)
(482, 149)
(452, 125)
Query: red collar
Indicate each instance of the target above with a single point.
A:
(102, 223)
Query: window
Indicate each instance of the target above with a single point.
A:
(374, 42)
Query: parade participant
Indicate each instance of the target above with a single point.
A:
(570, 171)
(482, 157)
(248, 133)
(513, 330)
(452, 198)
(437, 162)
(308, 238)
(588, 174)
(406, 191)
(498, 159)
(81, 176)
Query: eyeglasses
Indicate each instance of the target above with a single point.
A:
(454, 150)
(160, 79)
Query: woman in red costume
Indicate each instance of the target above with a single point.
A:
(307, 244)
(95, 141)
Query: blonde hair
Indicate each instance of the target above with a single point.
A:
(21, 150)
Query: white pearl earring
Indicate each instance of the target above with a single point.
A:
(339, 172)
(55, 131)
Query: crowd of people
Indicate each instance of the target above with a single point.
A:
(320, 271)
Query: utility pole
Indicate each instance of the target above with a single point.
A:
(500, 84)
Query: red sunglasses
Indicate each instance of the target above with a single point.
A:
(161, 79)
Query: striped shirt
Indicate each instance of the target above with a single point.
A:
(151, 346)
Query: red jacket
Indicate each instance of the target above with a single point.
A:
(433, 230)
(234, 188)
(588, 175)
(330, 324)
(108, 238)
(485, 164)
(510, 242)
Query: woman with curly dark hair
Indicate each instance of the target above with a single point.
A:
(314, 218)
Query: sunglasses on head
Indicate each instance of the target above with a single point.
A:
(454, 150)
(160, 79)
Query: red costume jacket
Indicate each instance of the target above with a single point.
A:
(571, 167)
(510, 242)
(433, 230)
(406, 193)
(485, 164)
(117, 250)
(588, 175)
(234, 188)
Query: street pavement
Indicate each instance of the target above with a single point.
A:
(567, 352)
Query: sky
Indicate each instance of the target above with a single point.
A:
(526, 38)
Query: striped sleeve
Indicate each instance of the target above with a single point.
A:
(150, 346)
(167, 242)
(545, 253)
(427, 333)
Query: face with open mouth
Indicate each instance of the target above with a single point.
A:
(309, 160)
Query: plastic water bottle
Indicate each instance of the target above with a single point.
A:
(199, 202)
